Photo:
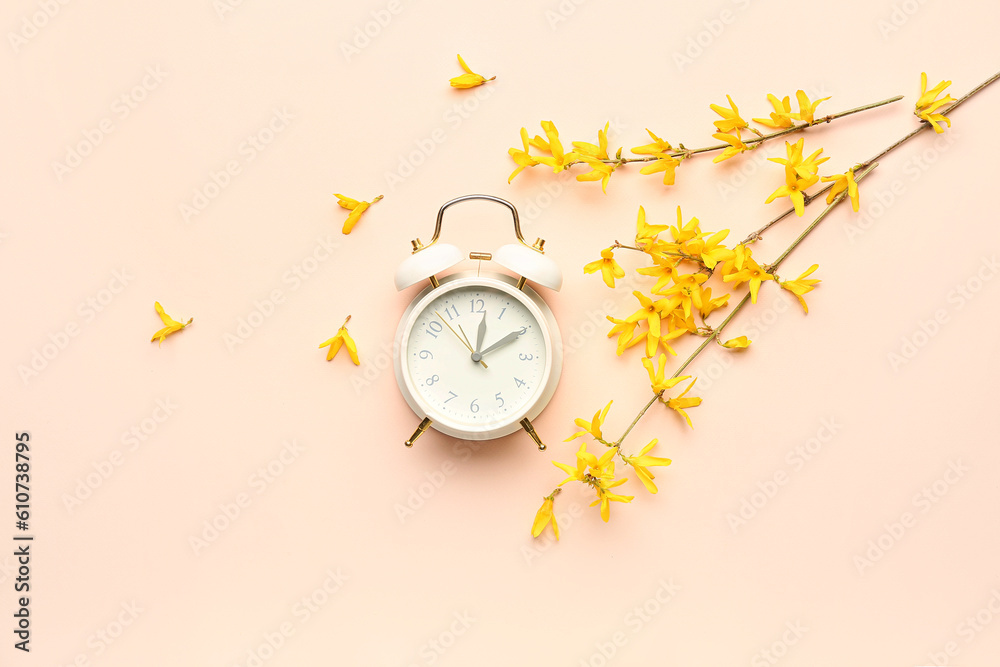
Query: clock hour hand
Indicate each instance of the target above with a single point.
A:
(509, 338)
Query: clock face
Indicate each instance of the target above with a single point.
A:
(477, 355)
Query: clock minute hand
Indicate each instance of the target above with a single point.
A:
(481, 335)
(509, 338)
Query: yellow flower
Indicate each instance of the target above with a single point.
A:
(600, 151)
(592, 428)
(927, 105)
(658, 146)
(664, 269)
(753, 273)
(674, 332)
(553, 146)
(843, 182)
(641, 464)
(590, 469)
(736, 146)
(781, 117)
(801, 286)
(604, 498)
(598, 171)
(470, 79)
(686, 292)
(545, 516)
(804, 167)
(806, 108)
(645, 235)
(651, 311)
(664, 162)
(683, 233)
(738, 343)
(521, 157)
(730, 117)
(710, 250)
(656, 377)
(794, 189)
(171, 325)
(355, 207)
(626, 333)
(342, 338)
(608, 267)
(708, 304)
(735, 264)
(680, 402)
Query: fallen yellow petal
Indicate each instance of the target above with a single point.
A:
(470, 79)
(172, 325)
(356, 208)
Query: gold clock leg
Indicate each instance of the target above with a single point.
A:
(434, 281)
(526, 425)
(520, 282)
(419, 432)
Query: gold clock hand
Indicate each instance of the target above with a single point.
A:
(465, 336)
(459, 337)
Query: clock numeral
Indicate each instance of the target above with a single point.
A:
(453, 395)
(501, 312)
(499, 399)
(425, 354)
(432, 379)
(434, 328)
(474, 407)
(525, 357)
(477, 306)
(449, 310)
(520, 382)
(523, 331)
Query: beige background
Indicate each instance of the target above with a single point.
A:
(315, 556)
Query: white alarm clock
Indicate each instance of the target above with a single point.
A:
(478, 353)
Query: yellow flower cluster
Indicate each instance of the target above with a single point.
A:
(660, 156)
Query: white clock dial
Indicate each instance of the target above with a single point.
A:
(476, 356)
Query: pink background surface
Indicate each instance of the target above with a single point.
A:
(460, 581)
